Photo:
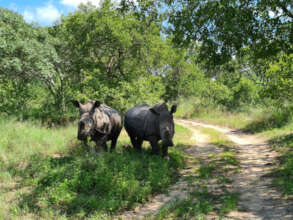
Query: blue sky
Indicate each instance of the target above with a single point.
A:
(45, 12)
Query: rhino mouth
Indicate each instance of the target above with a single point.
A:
(168, 143)
(82, 137)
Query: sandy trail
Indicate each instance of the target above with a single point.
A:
(257, 199)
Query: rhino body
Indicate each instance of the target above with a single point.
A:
(99, 122)
(143, 122)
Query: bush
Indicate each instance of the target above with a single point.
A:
(104, 183)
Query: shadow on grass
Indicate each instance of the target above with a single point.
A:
(200, 203)
(211, 185)
(283, 173)
(277, 119)
(82, 184)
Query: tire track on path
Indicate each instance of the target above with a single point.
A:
(258, 200)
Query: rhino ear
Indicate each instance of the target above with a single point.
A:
(156, 109)
(173, 109)
(97, 104)
(75, 103)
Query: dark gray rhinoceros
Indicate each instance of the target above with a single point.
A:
(143, 122)
(99, 122)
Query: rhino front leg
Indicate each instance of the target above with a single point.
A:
(155, 147)
(105, 147)
(86, 146)
(113, 143)
(101, 142)
(165, 152)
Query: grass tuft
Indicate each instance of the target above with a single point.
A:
(45, 173)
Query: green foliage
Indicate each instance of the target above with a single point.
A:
(28, 60)
(56, 178)
(280, 73)
(182, 76)
(117, 57)
(89, 183)
(275, 118)
(224, 28)
(93, 53)
(283, 173)
(245, 92)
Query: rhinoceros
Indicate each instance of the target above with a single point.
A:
(99, 122)
(143, 122)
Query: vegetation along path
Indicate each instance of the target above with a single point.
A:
(258, 200)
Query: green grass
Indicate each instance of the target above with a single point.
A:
(182, 138)
(283, 172)
(45, 173)
(218, 168)
(193, 109)
(273, 123)
(81, 184)
(199, 204)
(254, 119)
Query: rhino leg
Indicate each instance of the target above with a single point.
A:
(136, 142)
(105, 146)
(101, 143)
(85, 146)
(165, 152)
(155, 147)
(113, 143)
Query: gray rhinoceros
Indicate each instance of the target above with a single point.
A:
(99, 122)
(143, 122)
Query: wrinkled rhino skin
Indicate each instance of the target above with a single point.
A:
(143, 122)
(99, 122)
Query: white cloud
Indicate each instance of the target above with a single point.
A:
(48, 13)
(44, 15)
(28, 16)
(76, 3)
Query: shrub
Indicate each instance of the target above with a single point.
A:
(106, 183)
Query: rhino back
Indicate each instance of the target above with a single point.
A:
(107, 120)
(141, 122)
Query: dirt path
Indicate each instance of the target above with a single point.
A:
(257, 199)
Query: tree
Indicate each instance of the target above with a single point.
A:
(280, 75)
(27, 55)
(224, 28)
(110, 51)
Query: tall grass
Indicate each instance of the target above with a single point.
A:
(45, 173)
(273, 122)
(215, 114)
(217, 168)
(255, 119)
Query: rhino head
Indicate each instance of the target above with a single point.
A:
(86, 122)
(166, 122)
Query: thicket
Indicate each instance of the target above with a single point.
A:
(123, 55)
